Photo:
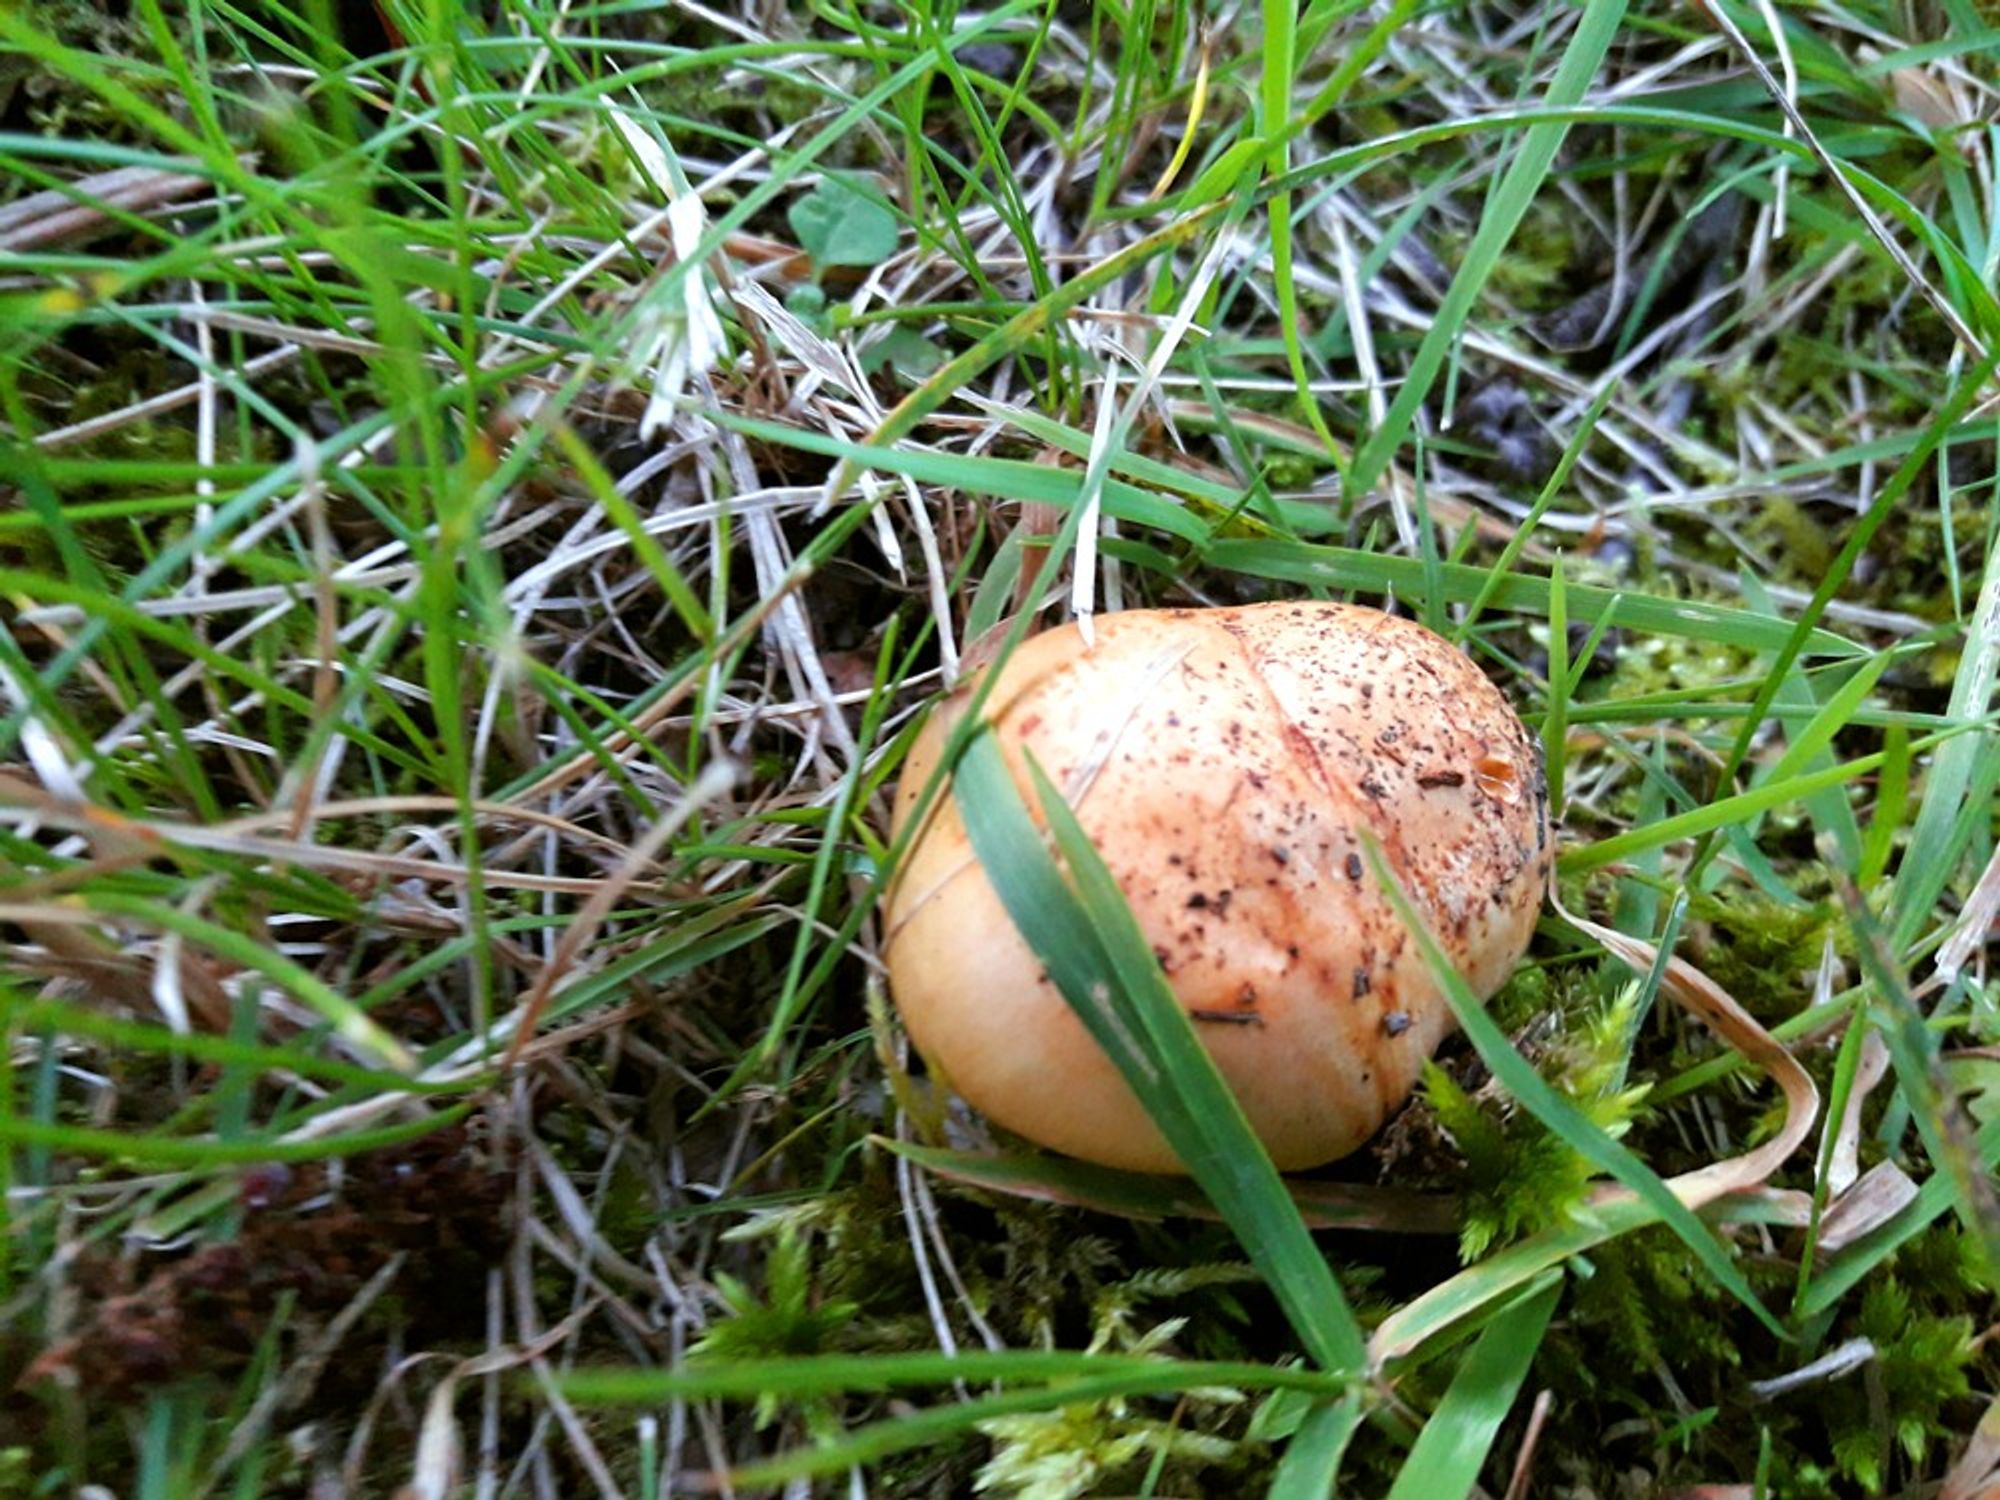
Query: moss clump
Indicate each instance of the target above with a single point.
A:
(1761, 950)
(1520, 1175)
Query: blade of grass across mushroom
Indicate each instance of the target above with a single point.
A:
(1048, 1178)
(1100, 960)
(1452, 1448)
(1669, 1202)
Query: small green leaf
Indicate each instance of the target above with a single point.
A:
(905, 351)
(807, 303)
(838, 224)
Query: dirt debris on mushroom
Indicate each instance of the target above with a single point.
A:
(1225, 762)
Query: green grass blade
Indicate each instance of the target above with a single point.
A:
(1452, 1448)
(347, 1019)
(1104, 967)
(826, 1374)
(1499, 218)
(1730, 810)
(1881, 507)
(1349, 568)
(1941, 1122)
(208, 1154)
(1310, 1468)
(1936, 1197)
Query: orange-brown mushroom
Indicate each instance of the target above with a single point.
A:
(1225, 763)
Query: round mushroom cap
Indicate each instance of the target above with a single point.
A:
(1225, 763)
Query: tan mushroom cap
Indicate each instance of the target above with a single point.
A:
(1224, 761)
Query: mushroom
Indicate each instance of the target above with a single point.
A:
(1225, 762)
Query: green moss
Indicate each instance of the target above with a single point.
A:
(1536, 272)
(1801, 543)
(1762, 951)
(1521, 1176)
(1903, 1405)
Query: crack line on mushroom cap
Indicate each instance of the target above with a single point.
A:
(1360, 809)
(1079, 782)
(1300, 743)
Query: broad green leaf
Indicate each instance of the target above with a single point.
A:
(839, 224)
